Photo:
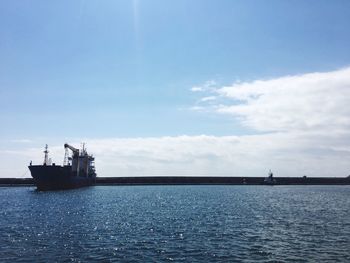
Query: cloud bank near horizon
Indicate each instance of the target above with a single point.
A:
(301, 122)
(292, 154)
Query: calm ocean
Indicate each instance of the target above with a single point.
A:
(176, 223)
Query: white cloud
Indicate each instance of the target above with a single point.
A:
(207, 86)
(305, 119)
(196, 88)
(316, 101)
(209, 98)
(287, 154)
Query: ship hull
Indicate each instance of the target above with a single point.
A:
(51, 177)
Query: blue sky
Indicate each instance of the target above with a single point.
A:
(125, 69)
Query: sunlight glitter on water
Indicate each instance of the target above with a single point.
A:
(176, 223)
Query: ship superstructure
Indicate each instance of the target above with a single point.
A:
(78, 170)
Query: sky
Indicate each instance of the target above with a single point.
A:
(159, 87)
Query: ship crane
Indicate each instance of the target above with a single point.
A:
(66, 155)
(74, 150)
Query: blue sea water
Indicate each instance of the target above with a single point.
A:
(176, 223)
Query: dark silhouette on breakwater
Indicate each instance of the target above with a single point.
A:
(196, 180)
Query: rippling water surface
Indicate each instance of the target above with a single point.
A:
(176, 223)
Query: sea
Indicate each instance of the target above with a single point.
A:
(176, 224)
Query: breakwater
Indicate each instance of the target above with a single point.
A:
(193, 180)
(196, 180)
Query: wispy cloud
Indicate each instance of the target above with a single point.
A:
(196, 88)
(209, 98)
(315, 101)
(209, 85)
(310, 101)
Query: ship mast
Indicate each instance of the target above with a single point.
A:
(46, 158)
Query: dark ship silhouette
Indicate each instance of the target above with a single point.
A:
(270, 180)
(76, 171)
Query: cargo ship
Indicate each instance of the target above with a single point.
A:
(78, 170)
